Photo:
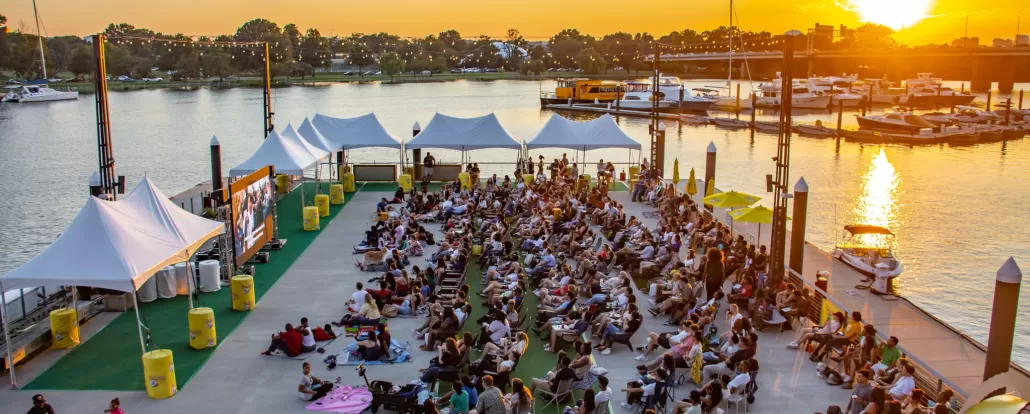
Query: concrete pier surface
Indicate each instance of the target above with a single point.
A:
(237, 379)
(949, 355)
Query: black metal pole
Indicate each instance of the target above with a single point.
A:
(216, 165)
(267, 97)
(780, 197)
(108, 180)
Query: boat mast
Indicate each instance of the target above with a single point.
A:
(729, 80)
(39, 36)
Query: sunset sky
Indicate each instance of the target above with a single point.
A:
(925, 21)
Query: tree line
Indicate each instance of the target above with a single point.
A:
(137, 52)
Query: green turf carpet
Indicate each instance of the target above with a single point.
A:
(110, 359)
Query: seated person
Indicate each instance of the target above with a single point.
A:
(288, 342)
(615, 328)
(519, 344)
(665, 340)
(573, 325)
(307, 337)
(554, 378)
(494, 331)
(311, 388)
(370, 348)
(637, 391)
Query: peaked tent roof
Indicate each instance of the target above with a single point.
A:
(105, 247)
(353, 133)
(463, 134)
(309, 133)
(190, 229)
(603, 132)
(286, 156)
(290, 134)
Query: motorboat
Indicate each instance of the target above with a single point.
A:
(770, 95)
(817, 130)
(883, 92)
(843, 81)
(673, 90)
(721, 97)
(964, 115)
(766, 126)
(839, 96)
(732, 123)
(868, 249)
(694, 119)
(638, 96)
(581, 91)
(37, 93)
(926, 90)
(895, 121)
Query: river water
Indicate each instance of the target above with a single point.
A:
(957, 211)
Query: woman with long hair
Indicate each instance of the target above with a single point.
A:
(876, 402)
(715, 274)
(520, 399)
(587, 405)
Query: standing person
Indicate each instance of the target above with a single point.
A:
(115, 407)
(40, 406)
(600, 170)
(714, 272)
(491, 400)
(427, 166)
(311, 388)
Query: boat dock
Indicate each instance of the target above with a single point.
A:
(605, 109)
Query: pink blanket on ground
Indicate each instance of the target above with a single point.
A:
(344, 400)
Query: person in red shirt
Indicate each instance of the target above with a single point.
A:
(288, 341)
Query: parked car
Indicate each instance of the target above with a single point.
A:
(12, 82)
(127, 79)
(75, 80)
(154, 79)
(122, 78)
(426, 72)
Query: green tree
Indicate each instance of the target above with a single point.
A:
(391, 64)
(189, 67)
(302, 69)
(564, 52)
(60, 50)
(361, 56)
(418, 65)
(590, 61)
(81, 61)
(451, 39)
(292, 34)
(314, 49)
(535, 67)
(251, 58)
(622, 49)
(216, 64)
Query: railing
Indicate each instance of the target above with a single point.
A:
(928, 380)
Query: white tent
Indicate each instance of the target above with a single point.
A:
(463, 134)
(351, 133)
(309, 133)
(286, 156)
(190, 229)
(290, 134)
(600, 133)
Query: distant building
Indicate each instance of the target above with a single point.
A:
(1022, 40)
(966, 42)
(824, 35)
(1002, 43)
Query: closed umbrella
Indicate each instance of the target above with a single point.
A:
(676, 171)
(756, 214)
(710, 188)
(691, 183)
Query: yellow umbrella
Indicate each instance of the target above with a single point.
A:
(1001, 404)
(676, 171)
(756, 214)
(729, 199)
(691, 183)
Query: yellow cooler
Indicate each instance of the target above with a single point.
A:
(465, 179)
(64, 326)
(633, 172)
(202, 328)
(348, 182)
(527, 178)
(159, 372)
(322, 203)
(242, 289)
(336, 194)
(405, 181)
(477, 249)
(282, 183)
(311, 218)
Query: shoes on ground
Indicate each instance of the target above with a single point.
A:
(641, 357)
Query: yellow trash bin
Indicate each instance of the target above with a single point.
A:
(527, 178)
(405, 181)
(282, 183)
(409, 171)
(311, 218)
(202, 328)
(584, 181)
(159, 372)
(556, 212)
(465, 179)
(322, 203)
(336, 194)
(64, 326)
(477, 249)
(633, 172)
(348, 182)
(242, 289)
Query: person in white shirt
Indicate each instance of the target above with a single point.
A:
(357, 298)
(736, 386)
(903, 385)
(604, 394)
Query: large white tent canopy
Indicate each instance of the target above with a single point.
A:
(352, 133)
(309, 133)
(290, 134)
(463, 134)
(286, 156)
(599, 133)
(117, 245)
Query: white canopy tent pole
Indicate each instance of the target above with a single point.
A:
(139, 325)
(7, 337)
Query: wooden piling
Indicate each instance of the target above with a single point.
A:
(1020, 99)
(738, 101)
(754, 100)
(1008, 108)
(989, 99)
(840, 115)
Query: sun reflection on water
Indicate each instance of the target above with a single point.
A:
(877, 205)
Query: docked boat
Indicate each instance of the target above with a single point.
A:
(842, 82)
(868, 249)
(721, 98)
(638, 96)
(681, 99)
(817, 130)
(766, 126)
(37, 93)
(883, 92)
(693, 119)
(895, 121)
(770, 96)
(581, 91)
(927, 91)
(841, 96)
(732, 123)
(964, 115)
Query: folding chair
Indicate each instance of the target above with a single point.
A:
(564, 391)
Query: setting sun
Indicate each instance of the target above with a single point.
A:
(891, 13)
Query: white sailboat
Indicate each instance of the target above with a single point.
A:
(40, 92)
(727, 100)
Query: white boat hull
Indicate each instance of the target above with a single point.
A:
(864, 267)
(63, 96)
(806, 102)
(849, 101)
(731, 102)
(729, 123)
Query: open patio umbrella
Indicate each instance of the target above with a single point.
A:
(691, 183)
(729, 200)
(756, 214)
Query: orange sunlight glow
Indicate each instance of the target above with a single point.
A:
(895, 14)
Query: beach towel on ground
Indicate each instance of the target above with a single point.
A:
(398, 353)
(305, 355)
(343, 400)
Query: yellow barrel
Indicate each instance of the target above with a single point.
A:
(633, 171)
(336, 195)
(202, 328)
(465, 179)
(405, 181)
(64, 326)
(348, 182)
(477, 249)
(340, 171)
(242, 289)
(159, 372)
(322, 202)
(409, 171)
(556, 212)
(311, 218)
(282, 183)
